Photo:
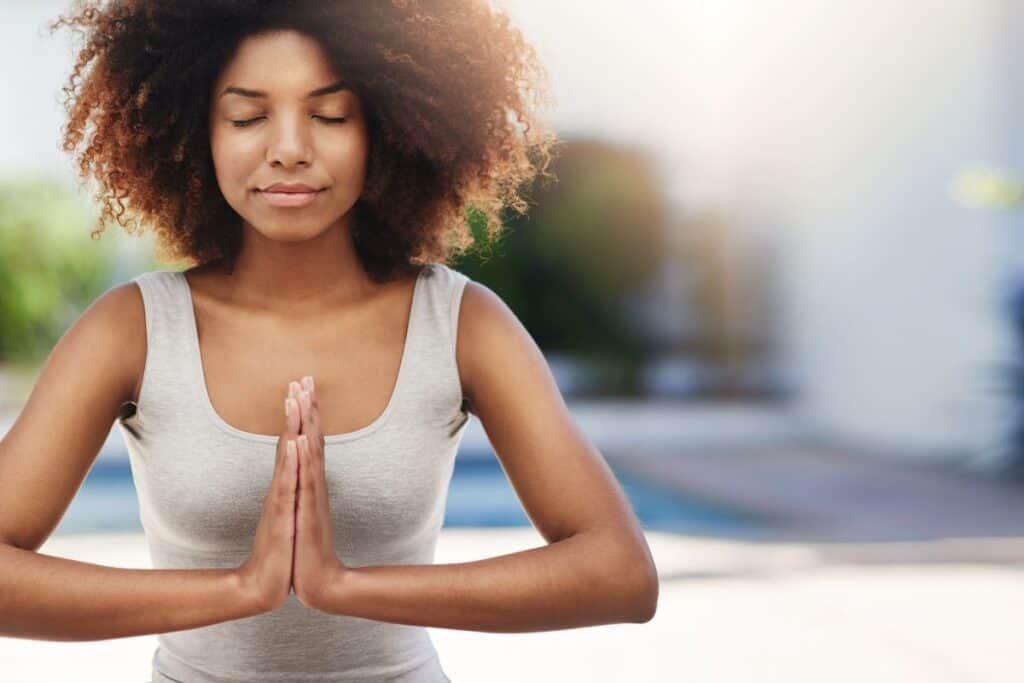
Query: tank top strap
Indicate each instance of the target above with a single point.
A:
(434, 382)
(441, 298)
(166, 375)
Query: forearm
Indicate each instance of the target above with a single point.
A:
(44, 597)
(571, 583)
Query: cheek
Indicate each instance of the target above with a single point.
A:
(230, 153)
(354, 162)
(350, 146)
(233, 172)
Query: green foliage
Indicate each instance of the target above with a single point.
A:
(50, 268)
(591, 240)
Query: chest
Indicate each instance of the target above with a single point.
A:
(203, 488)
(390, 396)
(386, 493)
(247, 361)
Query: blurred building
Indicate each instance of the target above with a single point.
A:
(837, 129)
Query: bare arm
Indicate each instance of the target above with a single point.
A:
(93, 369)
(595, 569)
(572, 583)
(55, 598)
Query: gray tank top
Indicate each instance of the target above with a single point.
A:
(201, 484)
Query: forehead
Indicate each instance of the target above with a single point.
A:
(283, 64)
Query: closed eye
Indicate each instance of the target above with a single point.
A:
(249, 122)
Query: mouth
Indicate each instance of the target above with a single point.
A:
(277, 191)
(290, 198)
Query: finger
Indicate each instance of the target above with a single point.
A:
(280, 467)
(307, 494)
(310, 426)
(320, 505)
(314, 527)
(292, 476)
(302, 497)
(295, 390)
(314, 407)
(292, 413)
(277, 496)
(288, 481)
(314, 401)
(316, 458)
(316, 437)
(318, 499)
(308, 384)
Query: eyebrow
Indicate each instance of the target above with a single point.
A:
(259, 94)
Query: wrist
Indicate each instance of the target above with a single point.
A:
(248, 593)
(334, 587)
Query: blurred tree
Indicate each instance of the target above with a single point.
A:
(594, 238)
(50, 269)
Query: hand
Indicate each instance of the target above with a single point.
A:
(316, 564)
(267, 575)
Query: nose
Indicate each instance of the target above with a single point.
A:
(289, 143)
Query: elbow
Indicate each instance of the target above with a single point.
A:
(647, 588)
(641, 600)
(632, 578)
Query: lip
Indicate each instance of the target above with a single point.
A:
(290, 198)
(288, 187)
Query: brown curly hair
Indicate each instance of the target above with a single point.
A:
(451, 89)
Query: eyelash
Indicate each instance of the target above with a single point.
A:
(248, 122)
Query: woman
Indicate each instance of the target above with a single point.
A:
(314, 162)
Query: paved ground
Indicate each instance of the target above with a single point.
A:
(878, 571)
(728, 612)
(827, 496)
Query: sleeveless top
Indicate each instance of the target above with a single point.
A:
(201, 484)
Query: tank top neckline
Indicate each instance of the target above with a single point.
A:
(199, 376)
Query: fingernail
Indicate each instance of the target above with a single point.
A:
(307, 382)
(290, 449)
(293, 388)
(287, 406)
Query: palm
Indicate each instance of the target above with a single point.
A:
(315, 563)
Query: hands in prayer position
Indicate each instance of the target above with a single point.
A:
(294, 544)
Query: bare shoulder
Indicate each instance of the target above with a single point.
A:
(494, 348)
(109, 333)
(119, 319)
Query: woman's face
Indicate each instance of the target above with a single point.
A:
(270, 123)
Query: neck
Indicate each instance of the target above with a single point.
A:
(281, 275)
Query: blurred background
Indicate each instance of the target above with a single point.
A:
(779, 283)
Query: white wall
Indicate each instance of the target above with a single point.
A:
(35, 67)
(849, 122)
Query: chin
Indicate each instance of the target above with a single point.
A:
(290, 231)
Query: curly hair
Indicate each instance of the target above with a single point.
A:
(451, 88)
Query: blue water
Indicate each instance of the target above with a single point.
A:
(480, 495)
